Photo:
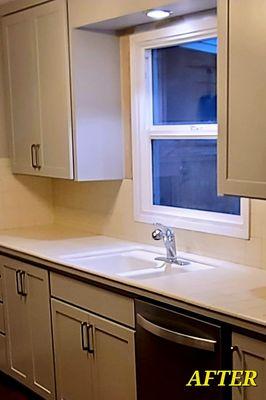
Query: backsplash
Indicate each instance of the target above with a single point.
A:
(107, 208)
(24, 200)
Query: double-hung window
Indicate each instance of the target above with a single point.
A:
(175, 130)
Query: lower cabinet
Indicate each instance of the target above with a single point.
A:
(94, 357)
(3, 358)
(28, 326)
(250, 354)
(73, 367)
(3, 355)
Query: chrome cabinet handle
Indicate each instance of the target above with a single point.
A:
(21, 283)
(87, 337)
(84, 336)
(33, 156)
(90, 339)
(18, 282)
(176, 337)
(37, 152)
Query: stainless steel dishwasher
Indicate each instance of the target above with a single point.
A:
(170, 347)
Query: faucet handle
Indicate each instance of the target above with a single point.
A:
(165, 229)
(157, 234)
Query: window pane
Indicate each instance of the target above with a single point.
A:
(184, 83)
(184, 175)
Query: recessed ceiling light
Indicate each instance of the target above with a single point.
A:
(158, 14)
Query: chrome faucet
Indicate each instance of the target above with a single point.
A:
(168, 236)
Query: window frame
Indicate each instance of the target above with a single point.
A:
(189, 28)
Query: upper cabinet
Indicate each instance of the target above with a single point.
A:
(64, 106)
(242, 97)
(36, 46)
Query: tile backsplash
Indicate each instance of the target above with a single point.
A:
(107, 208)
(24, 200)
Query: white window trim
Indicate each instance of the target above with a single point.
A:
(191, 27)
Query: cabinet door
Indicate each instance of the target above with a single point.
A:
(28, 327)
(40, 332)
(18, 339)
(250, 354)
(37, 70)
(52, 56)
(3, 357)
(242, 97)
(21, 88)
(113, 360)
(73, 363)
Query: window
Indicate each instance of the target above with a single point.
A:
(174, 112)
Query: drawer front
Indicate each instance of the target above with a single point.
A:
(2, 321)
(3, 353)
(100, 301)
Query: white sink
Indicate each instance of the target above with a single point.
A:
(119, 262)
(136, 263)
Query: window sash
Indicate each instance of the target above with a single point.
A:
(202, 129)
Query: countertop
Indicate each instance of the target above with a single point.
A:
(230, 289)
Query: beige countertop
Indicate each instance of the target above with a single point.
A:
(230, 289)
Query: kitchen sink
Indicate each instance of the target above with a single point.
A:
(134, 264)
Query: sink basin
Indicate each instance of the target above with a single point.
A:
(133, 264)
(120, 262)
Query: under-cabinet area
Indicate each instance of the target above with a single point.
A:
(68, 339)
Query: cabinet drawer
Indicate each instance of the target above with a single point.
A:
(2, 321)
(100, 301)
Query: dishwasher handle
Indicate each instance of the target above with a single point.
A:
(176, 337)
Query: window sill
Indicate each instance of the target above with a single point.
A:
(200, 221)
